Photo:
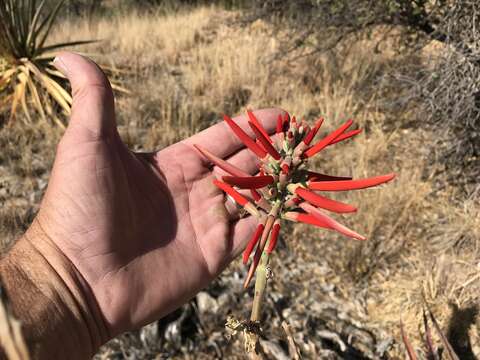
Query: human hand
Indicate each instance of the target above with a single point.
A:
(138, 234)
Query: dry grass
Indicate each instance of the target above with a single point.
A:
(137, 39)
(184, 69)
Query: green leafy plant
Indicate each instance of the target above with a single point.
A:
(27, 75)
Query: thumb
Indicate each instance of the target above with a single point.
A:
(93, 112)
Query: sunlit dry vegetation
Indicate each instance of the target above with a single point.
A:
(342, 298)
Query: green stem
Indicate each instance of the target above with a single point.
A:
(260, 286)
(261, 273)
(261, 280)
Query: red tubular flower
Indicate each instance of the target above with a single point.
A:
(259, 251)
(343, 185)
(285, 165)
(242, 135)
(232, 192)
(317, 126)
(323, 221)
(305, 218)
(274, 237)
(247, 205)
(284, 189)
(327, 139)
(253, 241)
(345, 136)
(328, 221)
(253, 120)
(323, 202)
(251, 270)
(260, 145)
(265, 142)
(292, 202)
(256, 196)
(313, 131)
(222, 164)
(308, 139)
(249, 182)
(260, 200)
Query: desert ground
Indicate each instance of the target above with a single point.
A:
(343, 299)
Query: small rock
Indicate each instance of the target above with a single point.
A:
(274, 349)
(223, 300)
(206, 303)
(149, 335)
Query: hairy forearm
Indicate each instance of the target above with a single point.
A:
(45, 293)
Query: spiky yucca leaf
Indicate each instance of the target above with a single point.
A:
(408, 346)
(27, 75)
(430, 351)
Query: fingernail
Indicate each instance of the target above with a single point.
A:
(60, 65)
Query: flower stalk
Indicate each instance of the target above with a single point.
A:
(284, 189)
(260, 287)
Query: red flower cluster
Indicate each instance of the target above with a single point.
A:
(284, 188)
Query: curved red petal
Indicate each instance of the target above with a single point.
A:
(222, 164)
(333, 224)
(253, 241)
(243, 136)
(273, 238)
(345, 136)
(311, 134)
(343, 185)
(323, 202)
(253, 119)
(327, 139)
(248, 182)
(265, 142)
(232, 192)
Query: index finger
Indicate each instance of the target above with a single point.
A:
(221, 141)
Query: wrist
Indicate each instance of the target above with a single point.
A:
(59, 319)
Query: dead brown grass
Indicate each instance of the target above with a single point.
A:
(185, 69)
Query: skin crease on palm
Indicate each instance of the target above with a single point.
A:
(143, 232)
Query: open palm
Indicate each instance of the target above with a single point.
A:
(144, 232)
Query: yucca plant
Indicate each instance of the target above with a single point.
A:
(27, 75)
